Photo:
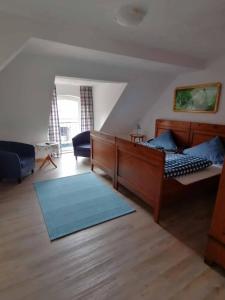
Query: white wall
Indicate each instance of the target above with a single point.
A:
(138, 97)
(67, 90)
(163, 107)
(105, 96)
(26, 86)
(25, 92)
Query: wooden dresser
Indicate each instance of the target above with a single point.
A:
(215, 251)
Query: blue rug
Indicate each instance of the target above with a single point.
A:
(74, 203)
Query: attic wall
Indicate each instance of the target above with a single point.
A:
(140, 95)
(26, 86)
(105, 97)
(66, 89)
(25, 91)
(163, 107)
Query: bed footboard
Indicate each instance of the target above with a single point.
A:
(141, 170)
(103, 152)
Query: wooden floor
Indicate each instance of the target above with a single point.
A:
(127, 258)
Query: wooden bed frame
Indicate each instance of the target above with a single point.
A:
(103, 152)
(141, 169)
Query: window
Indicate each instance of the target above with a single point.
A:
(69, 120)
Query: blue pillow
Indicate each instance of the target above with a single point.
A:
(164, 141)
(213, 150)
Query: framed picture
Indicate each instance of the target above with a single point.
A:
(197, 98)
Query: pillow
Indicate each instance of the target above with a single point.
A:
(213, 150)
(164, 141)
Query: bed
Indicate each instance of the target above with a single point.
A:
(141, 169)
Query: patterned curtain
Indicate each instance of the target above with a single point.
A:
(54, 128)
(87, 114)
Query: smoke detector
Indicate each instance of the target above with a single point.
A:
(130, 15)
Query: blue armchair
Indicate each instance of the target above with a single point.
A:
(16, 160)
(81, 144)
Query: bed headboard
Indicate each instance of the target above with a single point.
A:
(187, 133)
(180, 129)
(201, 132)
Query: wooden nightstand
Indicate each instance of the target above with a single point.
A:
(138, 137)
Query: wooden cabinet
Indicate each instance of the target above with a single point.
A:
(215, 251)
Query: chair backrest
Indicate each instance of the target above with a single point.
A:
(82, 138)
(5, 146)
(15, 147)
(86, 136)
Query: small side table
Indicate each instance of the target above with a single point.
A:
(138, 137)
(49, 148)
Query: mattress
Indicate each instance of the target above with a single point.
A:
(211, 171)
(180, 164)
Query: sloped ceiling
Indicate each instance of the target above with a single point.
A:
(80, 38)
(166, 24)
(16, 30)
(180, 32)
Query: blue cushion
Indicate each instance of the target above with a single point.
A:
(213, 150)
(165, 141)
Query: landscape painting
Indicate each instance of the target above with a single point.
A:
(197, 98)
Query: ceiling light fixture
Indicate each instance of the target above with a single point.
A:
(130, 15)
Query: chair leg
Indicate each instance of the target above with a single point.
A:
(19, 180)
(76, 157)
(32, 171)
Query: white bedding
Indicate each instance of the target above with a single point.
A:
(200, 175)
